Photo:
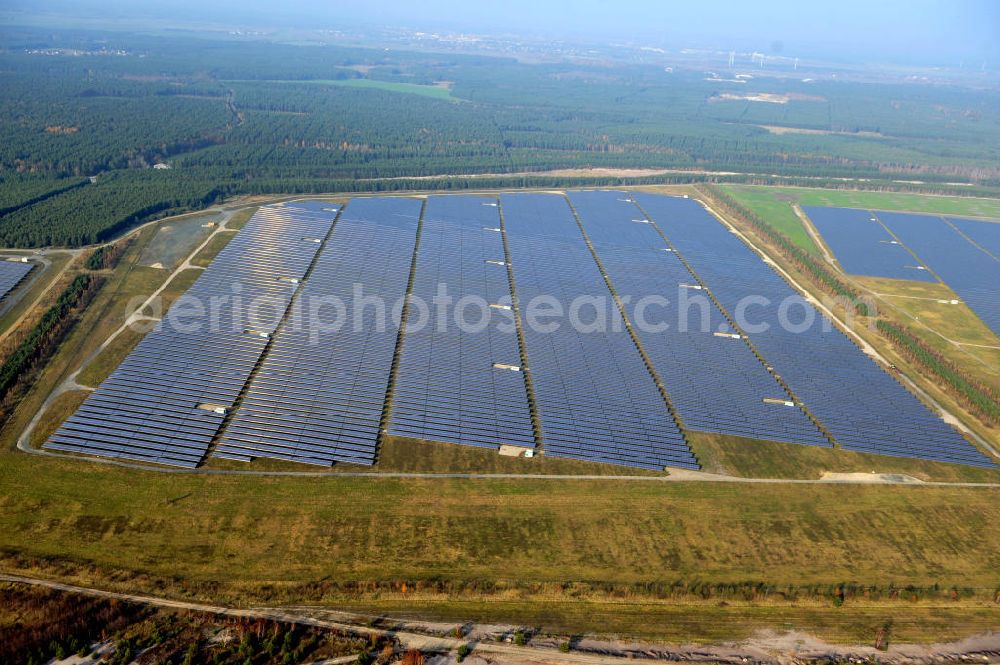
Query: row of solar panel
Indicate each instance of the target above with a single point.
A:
(318, 395)
(166, 401)
(715, 382)
(863, 246)
(972, 271)
(863, 407)
(454, 383)
(965, 253)
(984, 234)
(12, 273)
(594, 394)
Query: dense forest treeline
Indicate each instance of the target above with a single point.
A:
(232, 117)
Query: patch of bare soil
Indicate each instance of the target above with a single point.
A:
(778, 129)
(766, 97)
(794, 647)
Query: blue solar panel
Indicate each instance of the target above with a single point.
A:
(448, 386)
(863, 246)
(970, 272)
(594, 395)
(863, 407)
(318, 396)
(710, 373)
(984, 234)
(12, 273)
(167, 400)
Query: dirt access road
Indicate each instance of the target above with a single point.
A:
(765, 647)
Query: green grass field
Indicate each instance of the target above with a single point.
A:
(105, 362)
(62, 407)
(240, 219)
(178, 286)
(402, 455)
(953, 330)
(208, 253)
(433, 91)
(774, 204)
(292, 529)
(776, 211)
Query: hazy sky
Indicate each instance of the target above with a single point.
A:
(905, 30)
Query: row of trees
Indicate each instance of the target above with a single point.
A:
(19, 367)
(977, 397)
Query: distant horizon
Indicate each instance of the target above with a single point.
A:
(925, 32)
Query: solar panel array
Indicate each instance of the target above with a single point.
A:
(166, 401)
(594, 394)
(455, 383)
(318, 396)
(971, 272)
(712, 376)
(302, 373)
(863, 246)
(863, 407)
(12, 273)
(984, 234)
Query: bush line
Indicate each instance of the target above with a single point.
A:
(977, 397)
(45, 337)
